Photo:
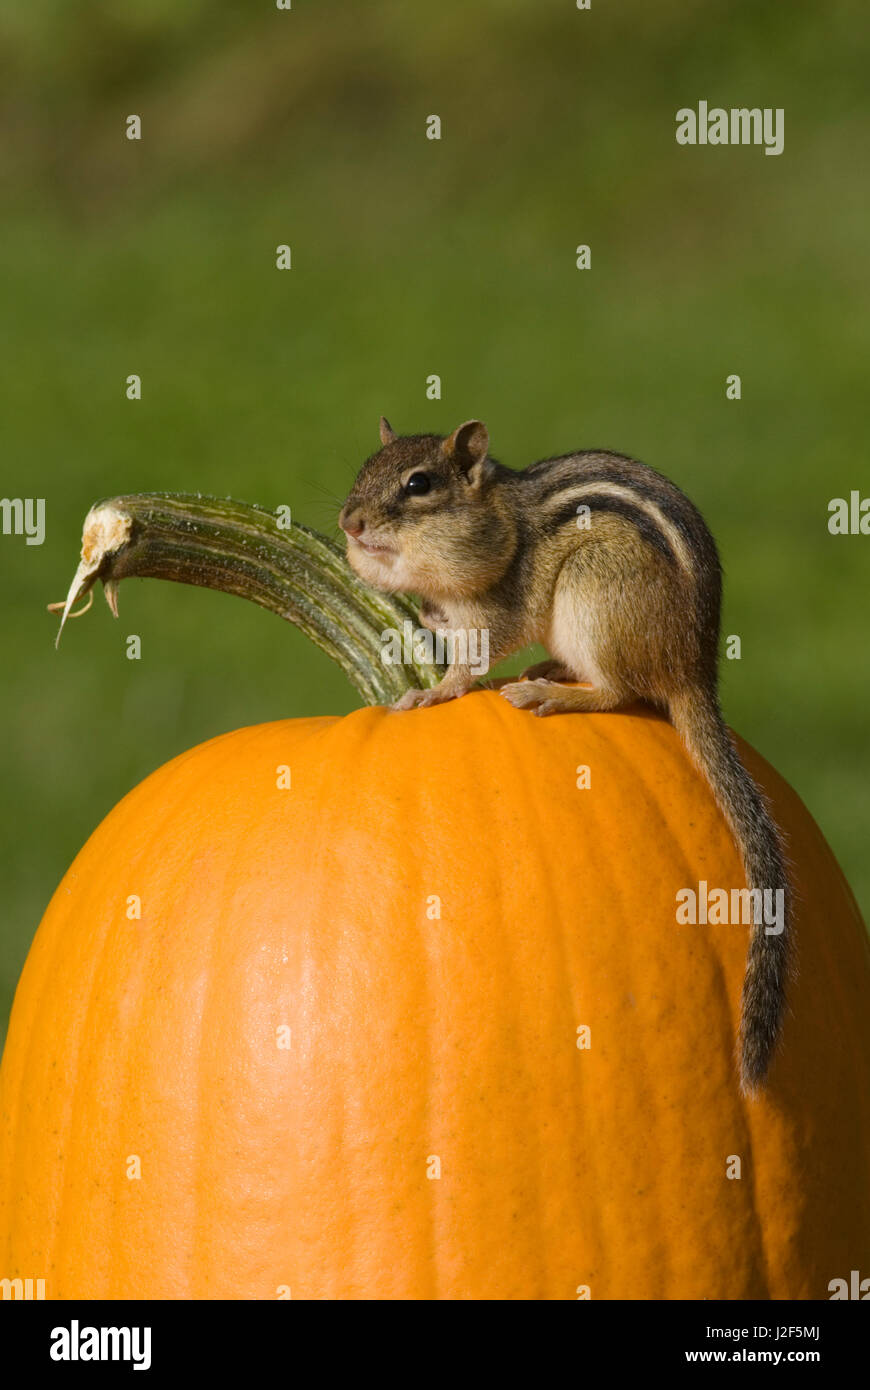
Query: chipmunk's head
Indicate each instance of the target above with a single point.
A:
(422, 515)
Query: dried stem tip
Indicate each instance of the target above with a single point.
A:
(105, 531)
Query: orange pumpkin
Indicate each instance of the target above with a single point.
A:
(337, 1054)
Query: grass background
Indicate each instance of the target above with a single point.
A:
(413, 257)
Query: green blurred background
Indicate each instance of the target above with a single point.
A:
(413, 257)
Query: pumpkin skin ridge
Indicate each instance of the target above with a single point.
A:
(630, 777)
(202, 1130)
(538, 794)
(121, 1271)
(344, 1084)
(65, 1124)
(358, 734)
(91, 1028)
(535, 795)
(536, 1201)
(208, 1080)
(436, 1214)
(572, 981)
(676, 1106)
(438, 1111)
(422, 736)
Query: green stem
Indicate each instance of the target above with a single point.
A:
(236, 547)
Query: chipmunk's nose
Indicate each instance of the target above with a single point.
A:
(351, 521)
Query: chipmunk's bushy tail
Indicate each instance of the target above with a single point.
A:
(696, 716)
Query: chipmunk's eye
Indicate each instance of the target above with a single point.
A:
(418, 483)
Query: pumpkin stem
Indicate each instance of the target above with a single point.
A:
(237, 547)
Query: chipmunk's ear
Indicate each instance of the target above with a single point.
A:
(466, 448)
(388, 434)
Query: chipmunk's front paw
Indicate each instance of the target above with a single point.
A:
(419, 699)
(410, 699)
(536, 695)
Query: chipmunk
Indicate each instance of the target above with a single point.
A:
(609, 566)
